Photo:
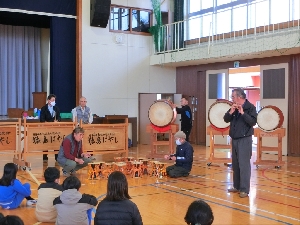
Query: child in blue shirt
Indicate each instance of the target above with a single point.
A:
(12, 191)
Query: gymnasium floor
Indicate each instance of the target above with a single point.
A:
(274, 196)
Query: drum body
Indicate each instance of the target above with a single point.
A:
(161, 113)
(270, 118)
(216, 113)
(136, 170)
(95, 169)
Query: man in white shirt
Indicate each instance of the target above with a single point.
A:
(82, 112)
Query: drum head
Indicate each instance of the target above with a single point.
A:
(269, 118)
(216, 113)
(160, 114)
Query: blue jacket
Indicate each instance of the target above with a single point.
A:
(8, 193)
(184, 155)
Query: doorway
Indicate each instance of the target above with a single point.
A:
(264, 85)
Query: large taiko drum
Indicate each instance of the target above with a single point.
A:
(269, 118)
(216, 113)
(161, 113)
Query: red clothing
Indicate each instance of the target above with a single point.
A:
(67, 149)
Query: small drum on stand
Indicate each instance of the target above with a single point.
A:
(161, 170)
(95, 170)
(108, 169)
(121, 166)
(130, 158)
(161, 113)
(119, 159)
(269, 118)
(154, 166)
(144, 166)
(216, 113)
(136, 169)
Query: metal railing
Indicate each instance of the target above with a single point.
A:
(176, 36)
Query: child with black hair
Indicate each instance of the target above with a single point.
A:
(72, 206)
(199, 212)
(12, 191)
(47, 192)
(10, 220)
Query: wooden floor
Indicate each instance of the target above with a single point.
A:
(274, 196)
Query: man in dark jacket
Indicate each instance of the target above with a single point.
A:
(186, 117)
(242, 117)
(50, 113)
(183, 157)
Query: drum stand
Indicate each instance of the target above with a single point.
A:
(212, 132)
(154, 142)
(280, 133)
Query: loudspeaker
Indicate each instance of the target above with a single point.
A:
(100, 10)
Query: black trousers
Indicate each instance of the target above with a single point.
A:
(187, 132)
(177, 171)
(45, 156)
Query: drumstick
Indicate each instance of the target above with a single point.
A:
(34, 178)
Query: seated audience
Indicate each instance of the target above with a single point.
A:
(74, 208)
(12, 191)
(10, 220)
(116, 208)
(47, 192)
(199, 212)
(82, 112)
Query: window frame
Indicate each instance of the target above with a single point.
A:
(130, 20)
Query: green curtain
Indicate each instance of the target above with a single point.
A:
(178, 31)
(156, 29)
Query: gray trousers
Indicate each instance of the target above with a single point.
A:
(74, 166)
(177, 171)
(241, 155)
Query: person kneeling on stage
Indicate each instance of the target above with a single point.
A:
(183, 157)
(70, 156)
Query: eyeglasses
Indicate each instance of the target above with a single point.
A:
(233, 96)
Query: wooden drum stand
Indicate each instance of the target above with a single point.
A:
(154, 142)
(212, 132)
(279, 133)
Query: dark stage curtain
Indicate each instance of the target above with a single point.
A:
(63, 62)
(179, 16)
(66, 7)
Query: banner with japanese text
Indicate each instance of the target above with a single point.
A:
(8, 138)
(104, 138)
(46, 138)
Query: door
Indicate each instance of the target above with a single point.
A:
(217, 82)
(274, 91)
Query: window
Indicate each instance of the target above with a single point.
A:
(211, 17)
(129, 20)
(239, 20)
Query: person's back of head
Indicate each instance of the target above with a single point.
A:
(10, 220)
(71, 182)
(51, 174)
(117, 187)
(9, 174)
(199, 212)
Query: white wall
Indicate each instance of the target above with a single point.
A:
(113, 74)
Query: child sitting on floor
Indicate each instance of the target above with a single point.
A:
(12, 191)
(72, 206)
(47, 192)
